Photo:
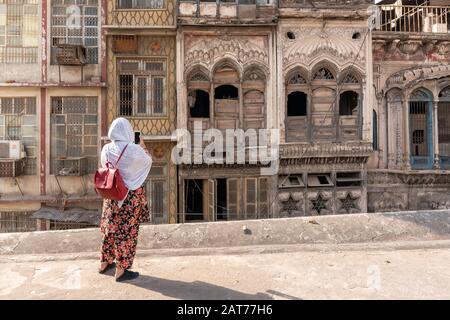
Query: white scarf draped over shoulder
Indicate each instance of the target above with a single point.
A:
(135, 164)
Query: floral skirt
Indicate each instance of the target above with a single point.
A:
(120, 227)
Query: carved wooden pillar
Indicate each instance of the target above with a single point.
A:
(436, 163)
(241, 105)
(212, 105)
(395, 132)
(407, 142)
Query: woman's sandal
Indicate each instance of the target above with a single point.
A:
(107, 268)
(127, 275)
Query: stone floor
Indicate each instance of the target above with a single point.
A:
(362, 272)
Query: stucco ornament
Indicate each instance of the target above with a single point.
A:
(337, 44)
(208, 50)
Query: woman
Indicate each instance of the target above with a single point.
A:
(121, 219)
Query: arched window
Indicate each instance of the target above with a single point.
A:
(297, 104)
(198, 102)
(348, 103)
(444, 127)
(420, 117)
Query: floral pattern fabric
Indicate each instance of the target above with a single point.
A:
(120, 228)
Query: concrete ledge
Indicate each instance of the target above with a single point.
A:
(342, 229)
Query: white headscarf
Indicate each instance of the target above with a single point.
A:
(135, 164)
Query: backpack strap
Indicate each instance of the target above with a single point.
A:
(121, 154)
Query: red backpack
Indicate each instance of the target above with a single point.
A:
(108, 182)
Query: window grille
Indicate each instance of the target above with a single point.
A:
(323, 74)
(75, 22)
(141, 87)
(19, 31)
(350, 79)
(156, 190)
(17, 221)
(74, 135)
(18, 121)
(297, 79)
(140, 4)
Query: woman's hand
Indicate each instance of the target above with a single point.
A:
(143, 146)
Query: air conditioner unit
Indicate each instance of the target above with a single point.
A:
(11, 149)
(71, 55)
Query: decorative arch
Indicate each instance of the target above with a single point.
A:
(254, 74)
(224, 65)
(350, 76)
(297, 76)
(444, 95)
(324, 69)
(420, 128)
(197, 72)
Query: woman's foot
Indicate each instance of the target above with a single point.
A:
(105, 266)
(125, 275)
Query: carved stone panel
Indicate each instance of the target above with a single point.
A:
(207, 50)
(308, 43)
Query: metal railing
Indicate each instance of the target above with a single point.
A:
(413, 19)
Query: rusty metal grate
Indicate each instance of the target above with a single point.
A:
(12, 167)
(18, 121)
(74, 135)
(19, 32)
(17, 221)
(75, 23)
(125, 44)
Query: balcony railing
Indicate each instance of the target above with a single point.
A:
(413, 19)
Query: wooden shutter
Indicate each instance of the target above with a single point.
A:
(158, 95)
(212, 200)
(233, 198)
(250, 198)
(263, 205)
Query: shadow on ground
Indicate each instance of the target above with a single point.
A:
(198, 290)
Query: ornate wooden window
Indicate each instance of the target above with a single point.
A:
(141, 85)
(444, 126)
(75, 23)
(18, 121)
(254, 99)
(74, 126)
(140, 4)
(420, 129)
(19, 31)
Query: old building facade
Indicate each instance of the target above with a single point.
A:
(141, 78)
(360, 96)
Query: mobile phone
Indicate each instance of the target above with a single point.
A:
(137, 137)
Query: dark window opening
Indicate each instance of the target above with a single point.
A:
(198, 101)
(222, 199)
(348, 103)
(348, 179)
(297, 104)
(418, 121)
(226, 92)
(194, 200)
(126, 94)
